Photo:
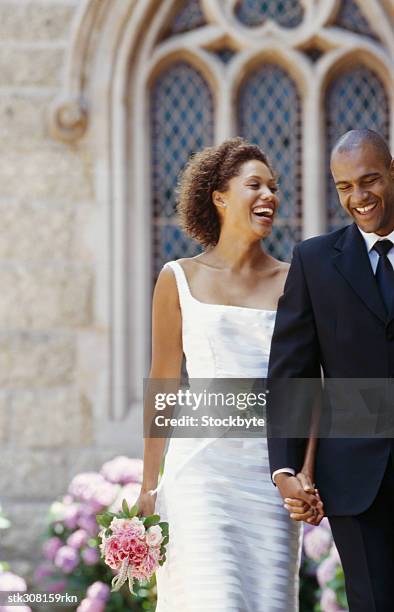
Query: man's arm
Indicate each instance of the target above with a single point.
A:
(294, 354)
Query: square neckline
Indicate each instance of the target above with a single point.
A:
(217, 305)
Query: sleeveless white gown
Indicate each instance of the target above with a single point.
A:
(232, 545)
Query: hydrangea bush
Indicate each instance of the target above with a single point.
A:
(322, 562)
(71, 553)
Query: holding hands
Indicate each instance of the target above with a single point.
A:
(301, 498)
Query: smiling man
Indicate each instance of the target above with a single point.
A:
(337, 314)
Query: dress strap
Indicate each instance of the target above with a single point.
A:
(181, 282)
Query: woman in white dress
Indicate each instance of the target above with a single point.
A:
(232, 545)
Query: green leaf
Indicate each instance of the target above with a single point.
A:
(104, 519)
(133, 511)
(164, 528)
(125, 507)
(149, 521)
(165, 540)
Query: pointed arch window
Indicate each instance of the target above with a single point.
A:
(355, 99)
(181, 124)
(269, 114)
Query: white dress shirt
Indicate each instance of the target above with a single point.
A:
(370, 240)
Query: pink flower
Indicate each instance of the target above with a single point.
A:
(90, 555)
(154, 536)
(50, 547)
(70, 515)
(122, 470)
(326, 571)
(87, 521)
(334, 554)
(98, 590)
(328, 601)
(317, 543)
(91, 605)
(78, 539)
(11, 582)
(42, 571)
(67, 559)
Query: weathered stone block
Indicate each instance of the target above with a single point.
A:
(4, 411)
(56, 173)
(36, 359)
(31, 67)
(19, 540)
(32, 475)
(34, 21)
(33, 231)
(23, 121)
(44, 419)
(46, 296)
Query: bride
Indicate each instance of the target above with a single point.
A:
(232, 546)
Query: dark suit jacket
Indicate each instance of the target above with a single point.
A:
(331, 316)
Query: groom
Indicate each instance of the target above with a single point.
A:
(337, 316)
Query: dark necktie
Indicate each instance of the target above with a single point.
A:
(385, 273)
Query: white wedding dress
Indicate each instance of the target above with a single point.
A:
(232, 545)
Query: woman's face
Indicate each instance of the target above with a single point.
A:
(249, 205)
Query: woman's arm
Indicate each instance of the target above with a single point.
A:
(306, 476)
(167, 352)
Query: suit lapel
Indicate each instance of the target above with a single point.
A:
(352, 261)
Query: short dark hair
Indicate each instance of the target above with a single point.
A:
(208, 171)
(357, 138)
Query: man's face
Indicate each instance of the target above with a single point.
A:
(365, 186)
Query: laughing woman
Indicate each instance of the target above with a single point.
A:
(232, 545)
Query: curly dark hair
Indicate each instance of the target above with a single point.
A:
(208, 171)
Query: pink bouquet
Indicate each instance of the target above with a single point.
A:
(133, 546)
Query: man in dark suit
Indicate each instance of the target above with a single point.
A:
(337, 316)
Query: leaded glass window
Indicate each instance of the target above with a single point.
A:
(189, 16)
(181, 124)
(356, 99)
(287, 13)
(350, 17)
(269, 114)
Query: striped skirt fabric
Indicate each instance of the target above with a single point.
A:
(232, 546)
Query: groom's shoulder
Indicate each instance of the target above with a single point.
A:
(320, 243)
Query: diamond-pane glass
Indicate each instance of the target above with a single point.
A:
(181, 124)
(356, 99)
(269, 114)
(287, 13)
(189, 17)
(350, 17)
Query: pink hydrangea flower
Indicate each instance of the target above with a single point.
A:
(123, 470)
(11, 582)
(98, 590)
(90, 555)
(326, 571)
(50, 548)
(328, 601)
(91, 605)
(66, 559)
(70, 515)
(78, 539)
(317, 543)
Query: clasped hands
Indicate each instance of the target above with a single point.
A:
(301, 498)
